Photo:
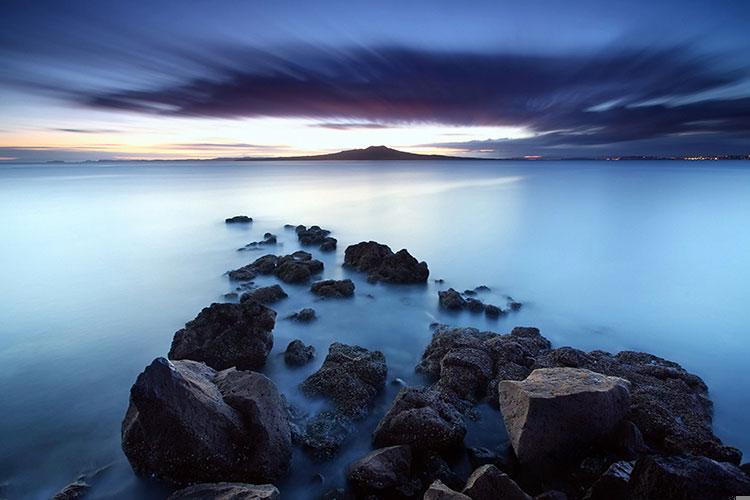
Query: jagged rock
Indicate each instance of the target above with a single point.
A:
(298, 354)
(73, 491)
(239, 219)
(556, 412)
(381, 264)
(226, 335)
(298, 267)
(627, 441)
(465, 371)
(686, 478)
(328, 244)
(613, 484)
(351, 377)
(333, 288)
(227, 491)
(422, 419)
(489, 483)
(439, 491)
(326, 432)
(505, 461)
(431, 467)
(303, 315)
(445, 339)
(187, 423)
(268, 239)
(474, 305)
(451, 299)
(262, 265)
(314, 235)
(492, 311)
(385, 471)
(265, 295)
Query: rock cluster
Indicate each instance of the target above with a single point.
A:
(453, 300)
(315, 235)
(297, 267)
(381, 264)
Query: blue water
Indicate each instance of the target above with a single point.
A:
(100, 264)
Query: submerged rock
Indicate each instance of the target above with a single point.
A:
(265, 295)
(227, 491)
(298, 354)
(239, 219)
(303, 315)
(381, 264)
(328, 244)
(268, 240)
(489, 483)
(187, 423)
(333, 288)
(226, 335)
(555, 413)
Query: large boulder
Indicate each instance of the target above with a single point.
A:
(381, 264)
(187, 423)
(686, 478)
(489, 483)
(227, 491)
(337, 289)
(265, 294)
(555, 413)
(422, 419)
(351, 377)
(226, 335)
(298, 267)
(385, 471)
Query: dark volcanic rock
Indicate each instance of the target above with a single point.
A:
(187, 423)
(326, 432)
(265, 295)
(439, 491)
(298, 354)
(686, 478)
(474, 305)
(556, 413)
(328, 244)
(422, 419)
(303, 315)
(268, 240)
(492, 311)
(351, 377)
(298, 267)
(381, 264)
(227, 491)
(261, 265)
(239, 219)
(384, 472)
(314, 235)
(226, 335)
(613, 484)
(451, 299)
(333, 288)
(489, 483)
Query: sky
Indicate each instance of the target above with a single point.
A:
(84, 80)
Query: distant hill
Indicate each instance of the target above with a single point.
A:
(380, 153)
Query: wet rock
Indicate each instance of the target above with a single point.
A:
(303, 315)
(227, 491)
(445, 339)
(613, 484)
(469, 293)
(439, 491)
(556, 412)
(482, 288)
(431, 467)
(451, 300)
(626, 440)
(503, 460)
(73, 491)
(333, 288)
(474, 305)
(422, 419)
(262, 265)
(230, 295)
(488, 483)
(492, 311)
(298, 267)
(686, 478)
(265, 295)
(514, 306)
(314, 235)
(187, 423)
(326, 432)
(298, 354)
(239, 219)
(226, 335)
(465, 371)
(351, 377)
(381, 264)
(385, 471)
(328, 244)
(268, 240)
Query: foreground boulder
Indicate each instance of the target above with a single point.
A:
(265, 295)
(422, 419)
(555, 413)
(686, 478)
(384, 472)
(489, 483)
(188, 423)
(227, 491)
(337, 289)
(298, 354)
(226, 335)
(381, 264)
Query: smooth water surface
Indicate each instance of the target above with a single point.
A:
(102, 263)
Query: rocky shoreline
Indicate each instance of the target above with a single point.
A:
(582, 425)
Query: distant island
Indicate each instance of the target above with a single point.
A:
(372, 153)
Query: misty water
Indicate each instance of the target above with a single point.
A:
(102, 263)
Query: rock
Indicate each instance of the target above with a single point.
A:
(314, 235)
(465, 371)
(505, 461)
(626, 440)
(556, 412)
(383, 471)
(514, 306)
(381, 264)
(613, 484)
(230, 295)
(265, 295)
(298, 354)
(439, 491)
(328, 244)
(474, 305)
(226, 335)
(431, 466)
(303, 315)
(298, 267)
(262, 265)
(239, 219)
(492, 311)
(745, 468)
(73, 491)
(451, 300)
(445, 339)
(326, 432)
(268, 239)
(227, 491)
(482, 288)
(187, 423)
(351, 377)
(551, 495)
(422, 419)
(333, 288)
(469, 293)
(488, 483)
(686, 478)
